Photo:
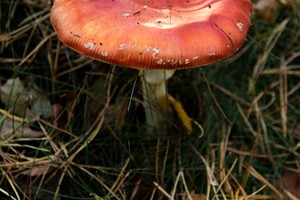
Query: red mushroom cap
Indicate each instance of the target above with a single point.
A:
(158, 34)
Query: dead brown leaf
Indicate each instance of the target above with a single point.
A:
(38, 170)
(25, 99)
(14, 129)
(267, 9)
(40, 187)
(289, 182)
(194, 196)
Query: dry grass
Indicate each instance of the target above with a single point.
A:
(246, 119)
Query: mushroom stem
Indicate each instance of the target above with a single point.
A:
(155, 97)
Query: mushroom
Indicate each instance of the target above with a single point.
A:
(155, 37)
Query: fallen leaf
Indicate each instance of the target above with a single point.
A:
(25, 100)
(59, 116)
(289, 182)
(267, 9)
(40, 187)
(40, 104)
(38, 170)
(194, 196)
(14, 129)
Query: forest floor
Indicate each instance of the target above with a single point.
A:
(74, 128)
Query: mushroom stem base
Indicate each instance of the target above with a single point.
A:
(155, 97)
